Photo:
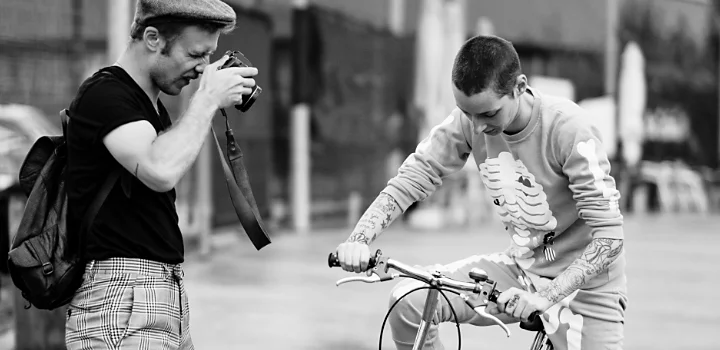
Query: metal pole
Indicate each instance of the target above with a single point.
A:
(78, 46)
(300, 123)
(205, 196)
(611, 46)
(396, 16)
(119, 18)
(716, 14)
(300, 167)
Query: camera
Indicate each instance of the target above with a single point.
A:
(237, 59)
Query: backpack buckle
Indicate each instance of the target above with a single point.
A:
(47, 269)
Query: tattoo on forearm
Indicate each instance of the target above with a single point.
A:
(359, 237)
(598, 255)
(377, 218)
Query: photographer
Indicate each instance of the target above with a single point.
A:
(134, 247)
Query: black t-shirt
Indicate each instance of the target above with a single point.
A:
(134, 221)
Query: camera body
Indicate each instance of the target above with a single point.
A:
(237, 59)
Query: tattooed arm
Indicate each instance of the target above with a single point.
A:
(383, 211)
(598, 255)
(444, 152)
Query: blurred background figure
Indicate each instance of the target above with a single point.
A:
(350, 88)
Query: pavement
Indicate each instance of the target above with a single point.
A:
(284, 296)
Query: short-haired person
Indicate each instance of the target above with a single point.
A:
(548, 175)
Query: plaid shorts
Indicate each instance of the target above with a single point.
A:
(129, 304)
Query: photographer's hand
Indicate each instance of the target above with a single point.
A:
(225, 87)
(161, 160)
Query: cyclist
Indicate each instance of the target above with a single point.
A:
(547, 172)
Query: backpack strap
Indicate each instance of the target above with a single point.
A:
(94, 208)
(64, 122)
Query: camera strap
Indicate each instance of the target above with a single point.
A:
(241, 194)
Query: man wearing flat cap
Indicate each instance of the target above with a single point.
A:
(132, 295)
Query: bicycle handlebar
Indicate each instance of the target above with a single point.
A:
(378, 267)
(416, 273)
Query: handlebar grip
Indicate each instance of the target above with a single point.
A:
(334, 262)
(534, 323)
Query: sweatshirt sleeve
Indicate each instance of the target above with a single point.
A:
(439, 155)
(580, 151)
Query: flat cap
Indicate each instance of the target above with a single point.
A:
(148, 12)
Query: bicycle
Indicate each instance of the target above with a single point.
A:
(483, 287)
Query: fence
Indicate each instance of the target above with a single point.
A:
(43, 58)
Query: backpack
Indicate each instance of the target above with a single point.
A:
(43, 262)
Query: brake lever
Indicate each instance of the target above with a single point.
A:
(487, 293)
(480, 310)
(379, 272)
(369, 279)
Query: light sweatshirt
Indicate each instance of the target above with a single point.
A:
(550, 183)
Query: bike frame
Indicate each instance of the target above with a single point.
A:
(541, 341)
(483, 287)
(431, 303)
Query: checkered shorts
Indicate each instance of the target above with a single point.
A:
(129, 304)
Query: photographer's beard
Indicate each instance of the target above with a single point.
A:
(168, 83)
(166, 77)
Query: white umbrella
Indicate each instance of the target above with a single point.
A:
(631, 102)
(631, 108)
